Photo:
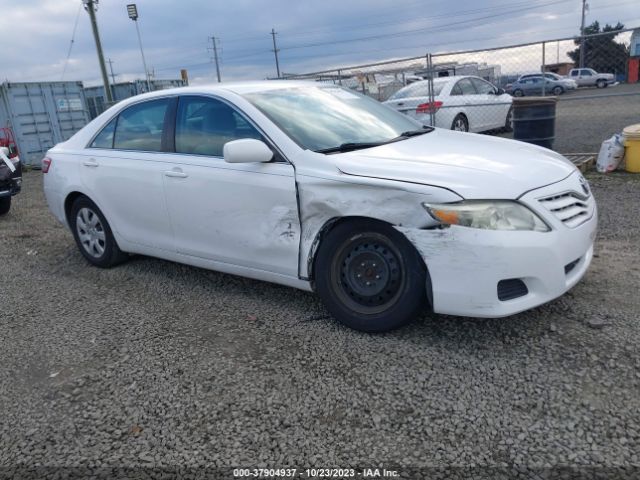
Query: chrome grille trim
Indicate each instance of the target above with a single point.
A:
(571, 208)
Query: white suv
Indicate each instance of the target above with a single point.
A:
(320, 188)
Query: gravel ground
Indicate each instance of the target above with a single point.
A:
(160, 365)
(583, 123)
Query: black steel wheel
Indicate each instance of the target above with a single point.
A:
(5, 205)
(369, 276)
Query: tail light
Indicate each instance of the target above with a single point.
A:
(46, 164)
(430, 107)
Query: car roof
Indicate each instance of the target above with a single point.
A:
(235, 87)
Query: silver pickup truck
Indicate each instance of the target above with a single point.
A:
(588, 77)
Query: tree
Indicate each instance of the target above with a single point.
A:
(602, 53)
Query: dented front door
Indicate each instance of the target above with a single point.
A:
(239, 214)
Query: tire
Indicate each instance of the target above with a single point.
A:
(93, 234)
(601, 83)
(460, 123)
(508, 123)
(5, 205)
(349, 265)
(557, 91)
(518, 93)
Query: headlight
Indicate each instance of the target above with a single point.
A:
(488, 215)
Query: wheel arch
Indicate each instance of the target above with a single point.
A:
(68, 203)
(333, 223)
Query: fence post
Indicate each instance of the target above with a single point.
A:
(339, 78)
(544, 79)
(432, 113)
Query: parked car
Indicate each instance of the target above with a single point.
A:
(588, 77)
(567, 83)
(535, 85)
(10, 178)
(321, 188)
(463, 103)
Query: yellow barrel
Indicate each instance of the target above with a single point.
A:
(631, 136)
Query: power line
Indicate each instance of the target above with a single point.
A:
(73, 39)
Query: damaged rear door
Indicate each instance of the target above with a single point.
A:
(240, 214)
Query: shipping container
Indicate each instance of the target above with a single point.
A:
(42, 114)
(97, 103)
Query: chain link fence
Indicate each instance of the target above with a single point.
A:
(594, 78)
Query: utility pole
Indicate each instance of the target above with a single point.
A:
(113, 79)
(91, 6)
(582, 39)
(214, 41)
(275, 51)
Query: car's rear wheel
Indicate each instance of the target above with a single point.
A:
(460, 123)
(370, 276)
(558, 90)
(93, 234)
(601, 84)
(518, 93)
(5, 205)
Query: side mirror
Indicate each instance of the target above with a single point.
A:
(500, 91)
(246, 150)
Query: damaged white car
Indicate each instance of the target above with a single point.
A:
(320, 188)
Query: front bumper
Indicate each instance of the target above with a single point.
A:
(466, 264)
(10, 182)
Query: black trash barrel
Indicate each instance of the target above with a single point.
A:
(534, 120)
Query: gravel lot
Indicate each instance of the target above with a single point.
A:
(162, 365)
(587, 116)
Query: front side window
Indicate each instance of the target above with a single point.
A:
(140, 126)
(319, 118)
(105, 138)
(204, 125)
(586, 73)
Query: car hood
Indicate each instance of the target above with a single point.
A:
(473, 166)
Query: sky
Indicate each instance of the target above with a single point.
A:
(311, 35)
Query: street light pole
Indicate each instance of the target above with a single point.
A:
(90, 6)
(132, 10)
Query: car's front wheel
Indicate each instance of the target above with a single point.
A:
(370, 276)
(601, 84)
(93, 234)
(518, 93)
(5, 205)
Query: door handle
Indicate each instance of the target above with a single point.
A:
(90, 163)
(175, 173)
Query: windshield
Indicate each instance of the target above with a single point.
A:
(418, 89)
(318, 118)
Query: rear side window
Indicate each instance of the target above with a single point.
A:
(140, 127)
(483, 87)
(204, 125)
(456, 90)
(105, 138)
(467, 87)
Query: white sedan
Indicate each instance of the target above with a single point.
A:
(463, 103)
(323, 189)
